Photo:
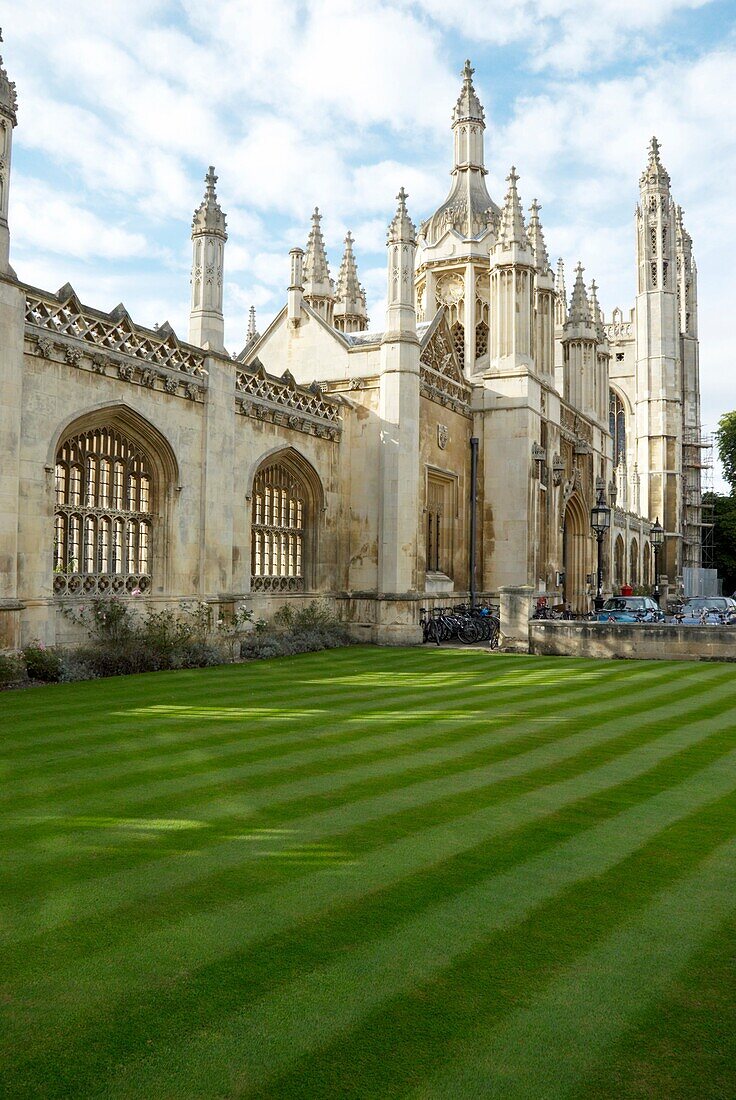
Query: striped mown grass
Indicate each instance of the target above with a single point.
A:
(372, 873)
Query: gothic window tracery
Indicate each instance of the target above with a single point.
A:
(617, 427)
(103, 516)
(279, 524)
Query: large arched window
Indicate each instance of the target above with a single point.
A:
(282, 521)
(617, 427)
(103, 516)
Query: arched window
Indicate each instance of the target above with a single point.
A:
(617, 427)
(647, 570)
(634, 563)
(619, 562)
(103, 518)
(282, 519)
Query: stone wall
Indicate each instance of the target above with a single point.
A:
(638, 641)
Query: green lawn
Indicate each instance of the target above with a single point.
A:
(372, 873)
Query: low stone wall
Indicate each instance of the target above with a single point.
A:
(638, 641)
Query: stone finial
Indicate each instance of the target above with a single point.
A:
(536, 238)
(560, 293)
(468, 107)
(595, 310)
(252, 333)
(579, 305)
(512, 229)
(317, 281)
(8, 96)
(350, 309)
(208, 217)
(654, 175)
(402, 228)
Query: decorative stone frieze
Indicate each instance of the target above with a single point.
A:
(112, 332)
(282, 401)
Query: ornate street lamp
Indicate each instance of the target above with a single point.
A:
(600, 521)
(656, 537)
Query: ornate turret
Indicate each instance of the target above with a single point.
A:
(319, 289)
(252, 334)
(579, 338)
(206, 322)
(560, 295)
(544, 297)
(401, 241)
(536, 238)
(350, 309)
(654, 175)
(511, 230)
(468, 209)
(8, 120)
(512, 288)
(579, 306)
(598, 399)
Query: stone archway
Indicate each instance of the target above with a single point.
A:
(575, 553)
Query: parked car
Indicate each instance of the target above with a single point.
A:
(707, 611)
(630, 609)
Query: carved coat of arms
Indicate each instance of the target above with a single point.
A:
(442, 436)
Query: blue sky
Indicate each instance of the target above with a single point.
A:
(123, 105)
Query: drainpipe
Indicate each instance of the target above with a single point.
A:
(473, 515)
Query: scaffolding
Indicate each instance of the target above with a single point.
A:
(697, 500)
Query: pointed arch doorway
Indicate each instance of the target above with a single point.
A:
(575, 552)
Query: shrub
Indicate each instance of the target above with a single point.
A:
(11, 670)
(42, 664)
(306, 629)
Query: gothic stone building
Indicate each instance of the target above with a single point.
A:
(330, 459)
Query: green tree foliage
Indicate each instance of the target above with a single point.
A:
(726, 443)
(724, 540)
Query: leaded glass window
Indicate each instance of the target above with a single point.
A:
(103, 518)
(617, 427)
(279, 521)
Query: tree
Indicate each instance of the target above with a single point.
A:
(724, 539)
(726, 443)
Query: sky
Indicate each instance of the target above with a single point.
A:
(338, 103)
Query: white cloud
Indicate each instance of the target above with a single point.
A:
(46, 220)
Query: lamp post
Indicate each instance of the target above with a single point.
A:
(600, 521)
(656, 537)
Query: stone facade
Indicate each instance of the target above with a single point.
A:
(329, 459)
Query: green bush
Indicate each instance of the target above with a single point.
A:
(42, 664)
(12, 670)
(292, 630)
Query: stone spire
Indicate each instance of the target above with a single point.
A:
(468, 209)
(8, 120)
(468, 107)
(252, 334)
(209, 233)
(579, 306)
(350, 308)
(319, 289)
(512, 231)
(536, 238)
(560, 294)
(401, 241)
(595, 309)
(654, 176)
